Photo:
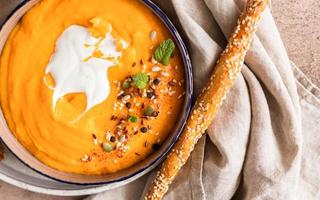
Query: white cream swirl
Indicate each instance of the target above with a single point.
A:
(76, 69)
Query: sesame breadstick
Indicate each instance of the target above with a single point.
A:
(205, 109)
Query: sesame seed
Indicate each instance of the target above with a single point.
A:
(156, 69)
(153, 35)
(85, 158)
(165, 74)
(126, 98)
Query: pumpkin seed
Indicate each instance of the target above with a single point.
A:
(107, 147)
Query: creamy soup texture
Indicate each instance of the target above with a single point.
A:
(91, 87)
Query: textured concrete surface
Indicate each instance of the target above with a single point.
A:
(298, 23)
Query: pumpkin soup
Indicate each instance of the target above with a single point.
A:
(91, 87)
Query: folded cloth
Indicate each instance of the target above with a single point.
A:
(265, 141)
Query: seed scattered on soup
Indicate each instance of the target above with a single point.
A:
(107, 147)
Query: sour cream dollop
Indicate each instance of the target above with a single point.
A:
(80, 65)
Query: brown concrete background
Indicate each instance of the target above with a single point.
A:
(298, 23)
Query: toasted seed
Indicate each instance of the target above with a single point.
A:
(107, 147)
(122, 95)
(165, 74)
(126, 98)
(144, 129)
(118, 131)
(128, 105)
(156, 69)
(112, 139)
(153, 35)
(155, 114)
(150, 94)
(148, 111)
(172, 83)
(156, 81)
(126, 85)
(85, 158)
(122, 138)
(125, 130)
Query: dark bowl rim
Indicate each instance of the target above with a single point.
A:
(188, 98)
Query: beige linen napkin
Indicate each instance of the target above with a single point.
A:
(265, 142)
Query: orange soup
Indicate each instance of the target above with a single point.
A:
(91, 87)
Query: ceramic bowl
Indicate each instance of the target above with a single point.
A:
(123, 176)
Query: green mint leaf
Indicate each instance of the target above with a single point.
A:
(132, 119)
(140, 80)
(164, 52)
